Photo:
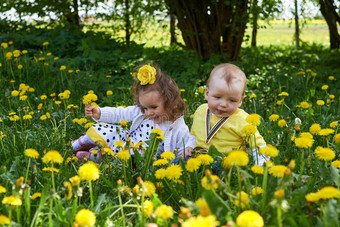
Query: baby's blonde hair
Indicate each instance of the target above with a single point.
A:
(231, 73)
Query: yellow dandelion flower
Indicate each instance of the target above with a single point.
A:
(118, 143)
(329, 192)
(337, 138)
(242, 200)
(205, 159)
(269, 150)
(36, 195)
(209, 220)
(88, 125)
(283, 94)
(27, 117)
(2, 189)
(164, 212)
(201, 90)
(324, 87)
(326, 132)
(68, 187)
(331, 78)
(12, 200)
(157, 131)
(75, 181)
(85, 218)
(147, 208)
(148, 188)
(324, 153)
(204, 208)
(312, 197)
(15, 93)
(89, 98)
(301, 73)
(43, 97)
(160, 174)
(193, 164)
(124, 155)
(4, 220)
(210, 182)
(32, 153)
(4, 45)
(53, 156)
(278, 171)
(304, 142)
(249, 218)
(88, 171)
(320, 102)
(256, 191)
(314, 128)
(280, 193)
(123, 123)
(109, 92)
(63, 67)
(168, 155)
(173, 172)
(161, 137)
(50, 169)
(23, 97)
(282, 123)
(160, 162)
(279, 102)
(249, 130)
(254, 119)
(43, 117)
(304, 105)
(274, 117)
(236, 157)
(252, 96)
(257, 169)
(332, 96)
(333, 124)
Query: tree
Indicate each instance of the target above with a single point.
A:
(297, 27)
(264, 10)
(332, 16)
(204, 23)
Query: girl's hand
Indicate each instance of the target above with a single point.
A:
(92, 111)
(188, 151)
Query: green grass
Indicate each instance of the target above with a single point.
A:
(275, 33)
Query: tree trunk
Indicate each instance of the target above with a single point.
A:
(127, 22)
(255, 17)
(204, 22)
(297, 28)
(327, 8)
(173, 38)
(73, 17)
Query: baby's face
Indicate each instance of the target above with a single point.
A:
(223, 99)
(152, 104)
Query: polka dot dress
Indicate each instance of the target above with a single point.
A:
(112, 133)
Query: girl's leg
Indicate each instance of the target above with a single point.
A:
(84, 143)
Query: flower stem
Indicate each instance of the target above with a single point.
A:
(121, 210)
(91, 196)
(279, 216)
(53, 178)
(264, 187)
(28, 167)
(302, 164)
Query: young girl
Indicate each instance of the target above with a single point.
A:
(158, 106)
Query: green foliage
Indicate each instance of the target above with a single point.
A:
(105, 64)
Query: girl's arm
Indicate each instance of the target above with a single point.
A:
(116, 114)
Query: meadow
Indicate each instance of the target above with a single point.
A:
(46, 75)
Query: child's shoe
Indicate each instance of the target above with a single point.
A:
(81, 155)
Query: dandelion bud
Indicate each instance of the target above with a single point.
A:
(139, 180)
(207, 173)
(20, 181)
(119, 182)
(288, 172)
(297, 127)
(291, 164)
(279, 193)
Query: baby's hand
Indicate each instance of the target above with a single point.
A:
(188, 151)
(92, 111)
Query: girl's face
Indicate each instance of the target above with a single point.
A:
(152, 104)
(223, 100)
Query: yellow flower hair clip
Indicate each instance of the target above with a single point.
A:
(146, 75)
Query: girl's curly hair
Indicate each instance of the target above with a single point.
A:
(168, 88)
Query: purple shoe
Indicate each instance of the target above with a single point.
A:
(81, 155)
